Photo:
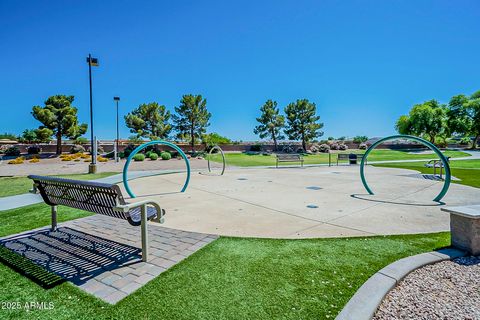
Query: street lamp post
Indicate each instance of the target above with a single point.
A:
(92, 168)
(116, 99)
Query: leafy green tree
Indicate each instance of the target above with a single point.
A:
(215, 139)
(8, 136)
(302, 122)
(425, 119)
(360, 139)
(212, 139)
(192, 118)
(271, 122)
(59, 116)
(28, 136)
(149, 120)
(464, 115)
(44, 134)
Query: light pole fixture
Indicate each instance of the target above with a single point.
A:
(92, 168)
(116, 99)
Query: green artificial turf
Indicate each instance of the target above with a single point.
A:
(248, 160)
(10, 186)
(236, 278)
(468, 171)
(34, 216)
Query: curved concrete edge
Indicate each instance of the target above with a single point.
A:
(366, 300)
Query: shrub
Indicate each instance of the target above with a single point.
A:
(166, 155)
(18, 160)
(34, 150)
(139, 157)
(121, 155)
(256, 147)
(153, 156)
(34, 160)
(77, 149)
(128, 150)
(465, 140)
(363, 146)
(325, 148)
(67, 157)
(81, 140)
(12, 151)
(110, 155)
(314, 148)
(343, 146)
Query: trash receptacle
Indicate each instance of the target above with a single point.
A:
(352, 158)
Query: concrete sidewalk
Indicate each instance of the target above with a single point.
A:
(26, 199)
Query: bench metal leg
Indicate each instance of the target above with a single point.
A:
(54, 218)
(144, 233)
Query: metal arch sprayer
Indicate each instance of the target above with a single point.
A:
(216, 147)
(143, 146)
(444, 160)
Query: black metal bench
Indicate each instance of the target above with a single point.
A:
(101, 198)
(286, 157)
(351, 157)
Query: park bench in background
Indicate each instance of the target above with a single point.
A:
(437, 163)
(351, 157)
(101, 198)
(286, 157)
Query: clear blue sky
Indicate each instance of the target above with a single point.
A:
(363, 63)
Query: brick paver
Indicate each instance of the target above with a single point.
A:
(111, 250)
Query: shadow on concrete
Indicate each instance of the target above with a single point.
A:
(364, 197)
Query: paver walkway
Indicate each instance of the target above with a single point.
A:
(101, 255)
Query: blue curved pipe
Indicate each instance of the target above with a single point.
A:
(446, 165)
(143, 146)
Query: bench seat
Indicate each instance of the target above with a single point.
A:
(282, 157)
(100, 198)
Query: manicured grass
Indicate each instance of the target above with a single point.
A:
(34, 216)
(10, 186)
(235, 278)
(231, 278)
(468, 171)
(247, 160)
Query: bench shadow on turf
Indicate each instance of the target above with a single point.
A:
(51, 257)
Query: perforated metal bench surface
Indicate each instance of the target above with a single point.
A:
(101, 198)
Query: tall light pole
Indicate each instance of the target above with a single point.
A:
(116, 99)
(92, 168)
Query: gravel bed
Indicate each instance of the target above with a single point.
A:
(445, 290)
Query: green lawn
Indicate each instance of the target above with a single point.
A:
(10, 186)
(247, 160)
(468, 171)
(232, 278)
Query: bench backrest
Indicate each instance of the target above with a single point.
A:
(85, 195)
(346, 156)
(286, 156)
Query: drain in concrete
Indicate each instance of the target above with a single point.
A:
(242, 179)
(312, 206)
(313, 188)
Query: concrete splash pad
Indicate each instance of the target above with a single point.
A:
(311, 202)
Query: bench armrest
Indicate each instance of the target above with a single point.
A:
(129, 206)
